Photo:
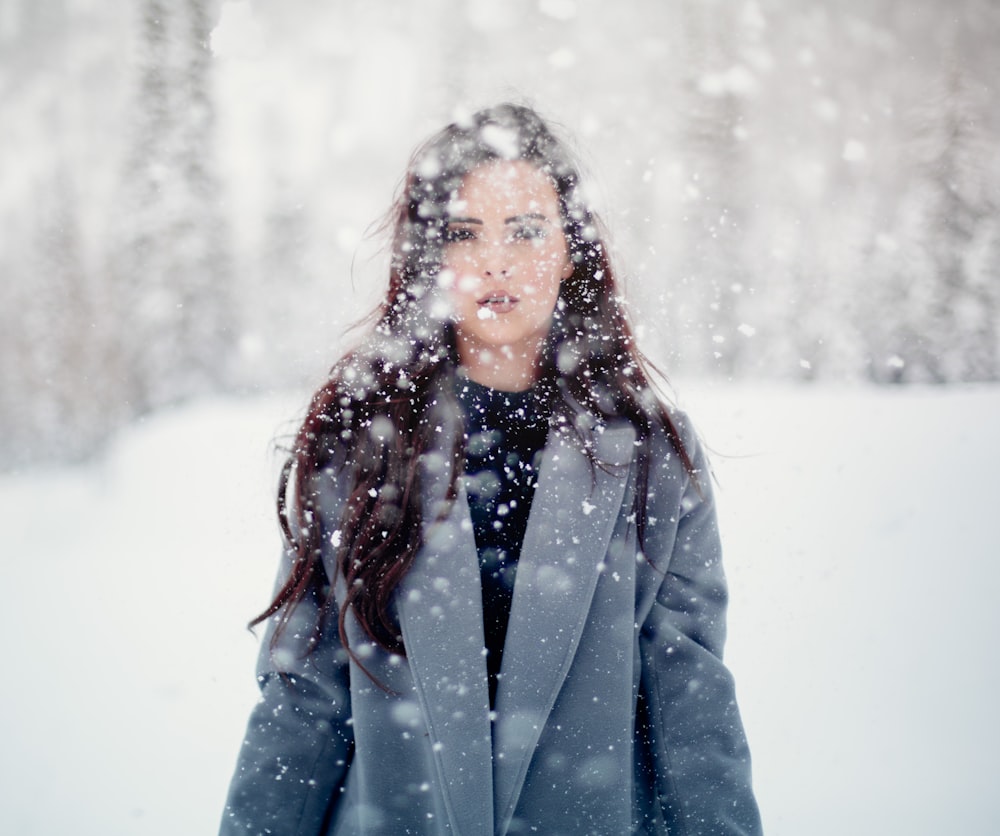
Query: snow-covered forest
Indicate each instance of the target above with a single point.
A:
(797, 191)
(805, 201)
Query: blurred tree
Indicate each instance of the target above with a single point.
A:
(706, 310)
(56, 147)
(943, 289)
(53, 401)
(171, 263)
(63, 360)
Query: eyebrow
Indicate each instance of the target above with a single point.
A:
(528, 216)
(533, 216)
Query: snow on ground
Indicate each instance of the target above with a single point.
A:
(862, 539)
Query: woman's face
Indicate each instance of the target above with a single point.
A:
(505, 256)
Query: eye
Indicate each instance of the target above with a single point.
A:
(528, 232)
(454, 234)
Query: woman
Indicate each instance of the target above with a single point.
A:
(501, 608)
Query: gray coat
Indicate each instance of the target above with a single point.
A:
(614, 711)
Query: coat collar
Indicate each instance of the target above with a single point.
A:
(572, 518)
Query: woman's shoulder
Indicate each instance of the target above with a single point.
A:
(682, 426)
(674, 446)
(665, 426)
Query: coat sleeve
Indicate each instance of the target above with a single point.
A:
(687, 699)
(298, 744)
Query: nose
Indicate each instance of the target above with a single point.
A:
(496, 262)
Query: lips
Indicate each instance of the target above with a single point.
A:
(497, 303)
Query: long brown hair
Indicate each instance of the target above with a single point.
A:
(368, 422)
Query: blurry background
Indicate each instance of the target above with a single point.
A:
(804, 198)
(796, 190)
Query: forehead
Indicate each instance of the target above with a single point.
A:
(507, 184)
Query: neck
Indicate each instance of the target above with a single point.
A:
(500, 368)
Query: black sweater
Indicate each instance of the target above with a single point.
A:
(504, 436)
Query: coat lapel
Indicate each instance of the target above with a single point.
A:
(572, 518)
(441, 617)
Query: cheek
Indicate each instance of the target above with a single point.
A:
(534, 258)
(446, 277)
(545, 271)
(467, 283)
(460, 259)
(457, 277)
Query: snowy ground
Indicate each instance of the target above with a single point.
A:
(863, 546)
